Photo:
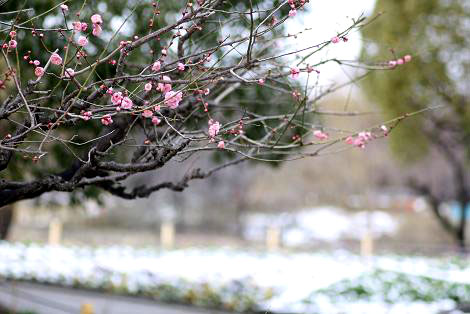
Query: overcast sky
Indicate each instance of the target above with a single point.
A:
(326, 18)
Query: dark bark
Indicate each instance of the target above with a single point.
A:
(457, 231)
(6, 218)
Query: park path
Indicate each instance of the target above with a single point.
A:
(45, 299)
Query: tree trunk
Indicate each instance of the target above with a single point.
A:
(461, 230)
(6, 218)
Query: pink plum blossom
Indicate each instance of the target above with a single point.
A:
(147, 114)
(335, 40)
(320, 135)
(156, 66)
(96, 19)
(77, 26)
(116, 98)
(39, 71)
(214, 128)
(221, 145)
(407, 58)
(172, 99)
(164, 87)
(126, 103)
(86, 115)
(12, 44)
(82, 41)
(360, 140)
(294, 72)
(106, 119)
(148, 86)
(56, 59)
(97, 30)
(292, 12)
(180, 66)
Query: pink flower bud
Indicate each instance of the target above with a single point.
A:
(320, 135)
(69, 72)
(155, 121)
(39, 71)
(86, 115)
(294, 72)
(106, 119)
(335, 40)
(384, 129)
(12, 44)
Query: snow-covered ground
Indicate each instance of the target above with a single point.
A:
(328, 224)
(232, 279)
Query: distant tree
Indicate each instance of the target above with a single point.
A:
(98, 92)
(6, 218)
(436, 32)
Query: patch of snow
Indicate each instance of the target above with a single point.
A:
(328, 224)
(293, 278)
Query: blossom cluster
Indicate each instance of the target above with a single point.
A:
(164, 83)
(294, 5)
(399, 61)
(214, 129)
(80, 26)
(362, 138)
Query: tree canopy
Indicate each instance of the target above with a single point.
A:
(98, 92)
(435, 32)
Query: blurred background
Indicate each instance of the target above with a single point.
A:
(374, 230)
